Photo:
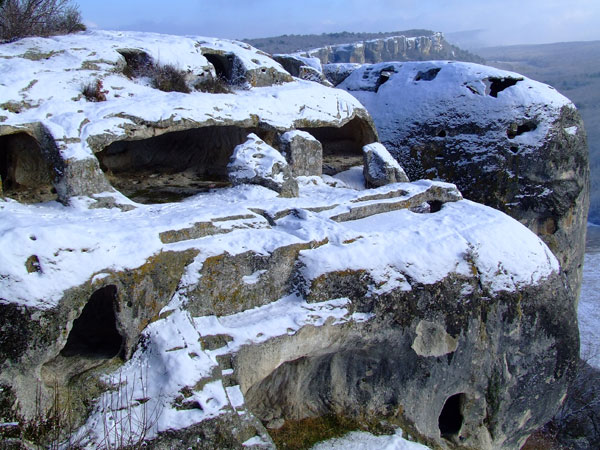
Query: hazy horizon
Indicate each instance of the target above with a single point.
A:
(474, 24)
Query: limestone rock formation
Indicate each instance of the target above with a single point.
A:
(255, 162)
(144, 142)
(130, 313)
(506, 141)
(380, 168)
(306, 68)
(395, 48)
(303, 152)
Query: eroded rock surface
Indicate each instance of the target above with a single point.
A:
(217, 320)
(151, 145)
(506, 141)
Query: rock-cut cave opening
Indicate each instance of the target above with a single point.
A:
(342, 147)
(94, 333)
(495, 85)
(173, 165)
(26, 176)
(451, 418)
(227, 67)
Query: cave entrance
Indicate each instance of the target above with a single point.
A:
(94, 334)
(227, 67)
(342, 147)
(451, 418)
(26, 176)
(174, 165)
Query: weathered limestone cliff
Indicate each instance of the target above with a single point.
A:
(176, 267)
(506, 141)
(395, 48)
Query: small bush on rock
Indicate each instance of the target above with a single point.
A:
(168, 78)
(95, 92)
(22, 18)
(214, 86)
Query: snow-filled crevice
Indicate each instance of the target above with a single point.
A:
(173, 165)
(494, 85)
(342, 147)
(25, 174)
(94, 333)
(451, 417)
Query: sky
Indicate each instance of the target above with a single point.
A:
(484, 22)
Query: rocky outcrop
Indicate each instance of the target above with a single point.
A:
(394, 48)
(320, 294)
(149, 144)
(216, 321)
(305, 68)
(506, 141)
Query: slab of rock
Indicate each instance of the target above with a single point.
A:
(380, 168)
(255, 162)
(506, 141)
(303, 152)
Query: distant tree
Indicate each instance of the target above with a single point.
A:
(22, 18)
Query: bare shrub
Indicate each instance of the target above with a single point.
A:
(168, 78)
(22, 18)
(94, 92)
(217, 85)
(48, 428)
(128, 420)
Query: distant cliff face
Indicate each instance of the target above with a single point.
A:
(395, 48)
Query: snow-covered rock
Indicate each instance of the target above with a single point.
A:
(255, 162)
(303, 152)
(380, 168)
(506, 141)
(81, 146)
(208, 322)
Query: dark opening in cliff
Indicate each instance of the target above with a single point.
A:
(174, 165)
(227, 67)
(342, 147)
(517, 130)
(494, 85)
(451, 418)
(138, 62)
(26, 176)
(428, 75)
(94, 333)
